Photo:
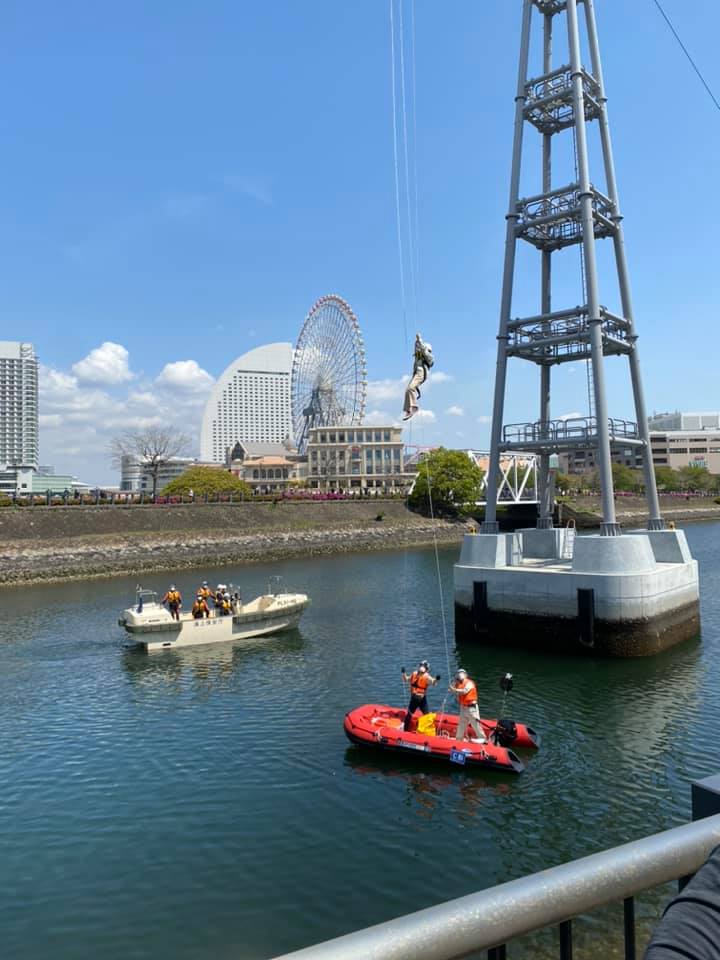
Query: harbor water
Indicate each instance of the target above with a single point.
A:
(206, 804)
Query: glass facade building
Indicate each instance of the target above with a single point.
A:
(18, 406)
(249, 403)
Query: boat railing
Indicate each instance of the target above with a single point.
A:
(143, 596)
(490, 919)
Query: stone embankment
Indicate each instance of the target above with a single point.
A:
(61, 543)
(588, 516)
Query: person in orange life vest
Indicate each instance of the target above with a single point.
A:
(419, 681)
(206, 593)
(200, 608)
(466, 693)
(173, 598)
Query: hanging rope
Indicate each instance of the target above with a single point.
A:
(414, 260)
(401, 257)
(406, 151)
(415, 176)
(437, 567)
(401, 261)
(685, 50)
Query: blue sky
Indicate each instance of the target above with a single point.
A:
(183, 180)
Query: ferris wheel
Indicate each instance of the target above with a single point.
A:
(329, 377)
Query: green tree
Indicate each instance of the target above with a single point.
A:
(207, 480)
(694, 478)
(666, 478)
(450, 478)
(624, 479)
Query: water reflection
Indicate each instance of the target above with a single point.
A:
(427, 789)
(208, 667)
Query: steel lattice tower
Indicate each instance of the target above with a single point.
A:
(567, 98)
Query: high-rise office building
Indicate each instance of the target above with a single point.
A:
(18, 405)
(249, 403)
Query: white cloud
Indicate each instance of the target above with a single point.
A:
(185, 375)
(380, 418)
(380, 391)
(143, 399)
(257, 188)
(79, 419)
(455, 411)
(575, 415)
(484, 419)
(106, 364)
(427, 415)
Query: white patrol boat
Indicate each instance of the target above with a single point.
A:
(153, 628)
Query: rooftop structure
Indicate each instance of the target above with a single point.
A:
(250, 402)
(684, 421)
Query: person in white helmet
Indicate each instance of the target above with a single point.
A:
(466, 693)
(173, 598)
(419, 681)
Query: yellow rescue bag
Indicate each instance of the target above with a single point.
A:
(426, 724)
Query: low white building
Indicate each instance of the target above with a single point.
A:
(357, 458)
(135, 477)
(268, 467)
(686, 448)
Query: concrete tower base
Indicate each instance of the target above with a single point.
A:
(627, 596)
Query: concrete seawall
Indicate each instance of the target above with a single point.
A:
(60, 543)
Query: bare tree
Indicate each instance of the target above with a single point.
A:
(152, 448)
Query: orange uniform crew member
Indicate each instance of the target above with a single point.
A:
(466, 693)
(419, 681)
(200, 608)
(206, 593)
(173, 598)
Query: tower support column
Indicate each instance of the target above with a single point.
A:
(655, 521)
(490, 524)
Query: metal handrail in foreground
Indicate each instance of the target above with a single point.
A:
(499, 914)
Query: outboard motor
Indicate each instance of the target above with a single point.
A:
(505, 731)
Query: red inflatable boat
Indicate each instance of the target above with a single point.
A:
(375, 725)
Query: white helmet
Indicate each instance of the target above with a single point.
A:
(461, 674)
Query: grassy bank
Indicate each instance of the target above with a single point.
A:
(62, 543)
(632, 510)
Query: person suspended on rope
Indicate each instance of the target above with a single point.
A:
(422, 361)
(419, 681)
(466, 693)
